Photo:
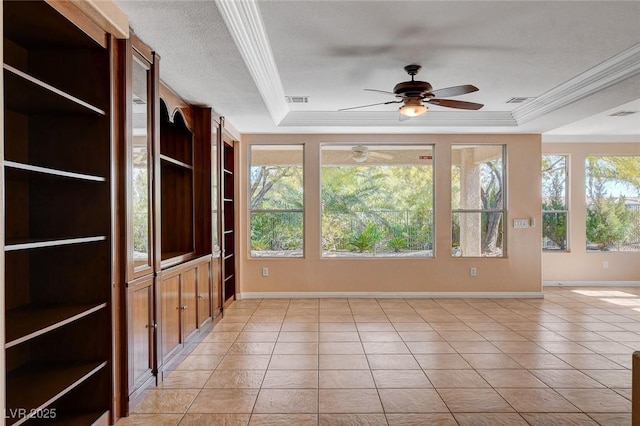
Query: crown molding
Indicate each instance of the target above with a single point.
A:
(245, 25)
(615, 69)
(382, 118)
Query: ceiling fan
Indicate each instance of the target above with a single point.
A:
(414, 94)
(360, 153)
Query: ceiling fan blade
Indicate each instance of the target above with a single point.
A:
(370, 105)
(381, 91)
(380, 155)
(454, 91)
(450, 103)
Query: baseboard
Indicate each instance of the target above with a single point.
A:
(591, 283)
(389, 295)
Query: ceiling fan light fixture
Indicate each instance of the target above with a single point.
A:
(413, 108)
(360, 157)
(359, 153)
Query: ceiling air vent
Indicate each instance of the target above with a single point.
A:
(297, 99)
(622, 113)
(518, 100)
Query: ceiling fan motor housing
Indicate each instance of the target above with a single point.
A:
(412, 88)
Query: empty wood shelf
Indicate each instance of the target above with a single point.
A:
(26, 245)
(43, 383)
(52, 172)
(176, 162)
(30, 321)
(27, 94)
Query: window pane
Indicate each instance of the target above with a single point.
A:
(554, 230)
(477, 234)
(613, 203)
(214, 194)
(554, 202)
(554, 182)
(477, 177)
(477, 200)
(276, 200)
(140, 162)
(377, 200)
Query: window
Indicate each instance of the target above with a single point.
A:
(554, 203)
(477, 200)
(276, 200)
(613, 203)
(377, 200)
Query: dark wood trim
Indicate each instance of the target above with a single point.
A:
(121, 177)
(117, 299)
(82, 21)
(178, 269)
(175, 105)
(140, 47)
(202, 179)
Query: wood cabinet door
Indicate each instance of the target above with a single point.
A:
(170, 304)
(141, 331)
(204, 293)
(189, 302)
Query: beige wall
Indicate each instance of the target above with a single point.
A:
(577, 264)
(520, 271)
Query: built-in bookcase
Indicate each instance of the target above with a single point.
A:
(57, 215)
(176, 199)
(228, 221)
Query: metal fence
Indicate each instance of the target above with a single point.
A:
(388, 230)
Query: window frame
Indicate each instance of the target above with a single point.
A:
(372, 145)
(567, 198)
(251, 211)
(587, 204)
(502, 210)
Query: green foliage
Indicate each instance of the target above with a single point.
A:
(397, 199)
(607, 221)
(396, 244)
(554, 217)
(554, 227)
(367, 239)
(276, 231)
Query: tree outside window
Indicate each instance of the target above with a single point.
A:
(554, 203)
(377, 200)
(613, 203)
(477, 200)
(276, 200)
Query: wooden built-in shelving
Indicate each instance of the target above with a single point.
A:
(228, 219)
(176, 162)
(54, 380)
(27, 322)
(56, 160)
(53, 172)
(29, 95)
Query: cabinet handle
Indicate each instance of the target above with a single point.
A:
(151, 326)
(200, 297)
(184, 308)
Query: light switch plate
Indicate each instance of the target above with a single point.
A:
(520, 223)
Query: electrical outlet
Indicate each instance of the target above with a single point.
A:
(265, 272)
(473, 272)
(605, 264)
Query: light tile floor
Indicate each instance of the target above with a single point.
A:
(561, 360)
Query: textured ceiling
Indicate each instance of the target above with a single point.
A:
(579, 61)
